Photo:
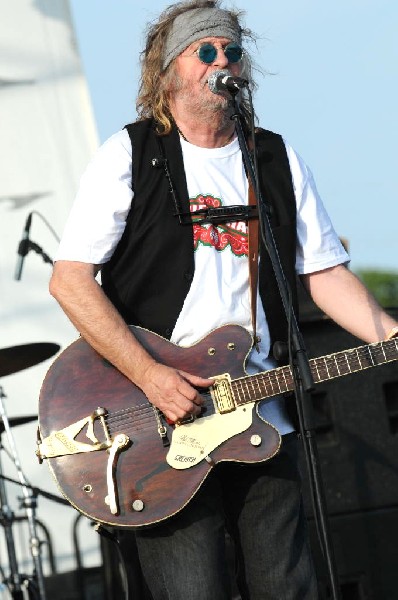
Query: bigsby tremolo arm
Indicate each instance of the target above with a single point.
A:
(121, 440)
(63, 442)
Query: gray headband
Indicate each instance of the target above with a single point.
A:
(196, 24)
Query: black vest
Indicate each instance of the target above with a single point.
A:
(150, 272)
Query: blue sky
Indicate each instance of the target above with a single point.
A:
(330, 88)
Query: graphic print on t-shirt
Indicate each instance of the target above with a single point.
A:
(229, 235)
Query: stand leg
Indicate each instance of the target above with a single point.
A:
(300, 369)
(317, 491)
(13, 581)
(29, 503)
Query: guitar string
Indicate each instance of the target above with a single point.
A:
(259, 379)
(144, 413)
(374, 351)
(145, 407)
(334, 367)
(322, 365)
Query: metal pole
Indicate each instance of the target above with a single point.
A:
(29, 503)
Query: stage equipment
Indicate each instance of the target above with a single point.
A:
(299, 364)
(26, 244)
(356, 423)
(15, 581)
(12, 360)
(15, 421)
(17, 358)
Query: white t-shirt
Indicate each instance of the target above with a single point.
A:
(219, 292)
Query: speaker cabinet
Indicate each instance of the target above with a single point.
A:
(356, 418)
(356, 422)
(366, 552)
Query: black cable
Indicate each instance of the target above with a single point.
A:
(101, 530)
(35, 212)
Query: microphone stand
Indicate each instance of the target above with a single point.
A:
(26, 244)
(13, 580)
(29, 503)
(302, 376)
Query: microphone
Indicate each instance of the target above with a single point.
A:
(23, 248)
(223, 81)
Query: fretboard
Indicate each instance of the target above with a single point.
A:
(280, 380)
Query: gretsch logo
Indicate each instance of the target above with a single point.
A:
(182, 458)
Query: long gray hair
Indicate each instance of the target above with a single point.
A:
(153, 97)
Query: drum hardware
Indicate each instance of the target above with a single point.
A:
(14, 421)
(15, 359)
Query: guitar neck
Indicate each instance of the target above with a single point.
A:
(278, 381)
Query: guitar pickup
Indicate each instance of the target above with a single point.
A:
(222, 395)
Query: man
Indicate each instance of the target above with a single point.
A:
(183, 280)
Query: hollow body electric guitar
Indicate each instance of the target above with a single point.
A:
(117, 460)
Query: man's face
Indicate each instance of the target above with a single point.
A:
(191, 75)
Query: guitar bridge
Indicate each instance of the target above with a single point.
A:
(63, 442)
(221, 393)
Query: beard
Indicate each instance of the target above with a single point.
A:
(200, 101)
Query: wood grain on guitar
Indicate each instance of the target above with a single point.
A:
(119, 462)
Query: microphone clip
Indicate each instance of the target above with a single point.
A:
(219, 215)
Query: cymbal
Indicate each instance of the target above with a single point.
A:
(16, 358)
(14, 421)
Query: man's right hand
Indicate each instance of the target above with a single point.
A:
(172, 391)
(83, 300)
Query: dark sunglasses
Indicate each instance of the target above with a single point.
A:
(207, 52)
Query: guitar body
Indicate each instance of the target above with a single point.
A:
(147, 488)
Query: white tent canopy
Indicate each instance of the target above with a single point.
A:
(47, 137)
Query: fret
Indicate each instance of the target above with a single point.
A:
(268, 385)
(256, 387)
(371, 356)
(345, 364)
(348, 362)
(283, 369)
(263, 386)
(342, 364)
(337, 366)
(365, 357)
(333, 366)
(284, 385)
(243, 390)
(252, 393)
(391, 348)
(271, 380)
(384, 354)
(246, 391)
(314, 363)
(378, 353)
(359, 358)
(291, 384)
(236, 392)
(278, 384)
(262, 390)
(325, 362)
(353, 360)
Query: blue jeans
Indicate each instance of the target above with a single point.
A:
(260, 506)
